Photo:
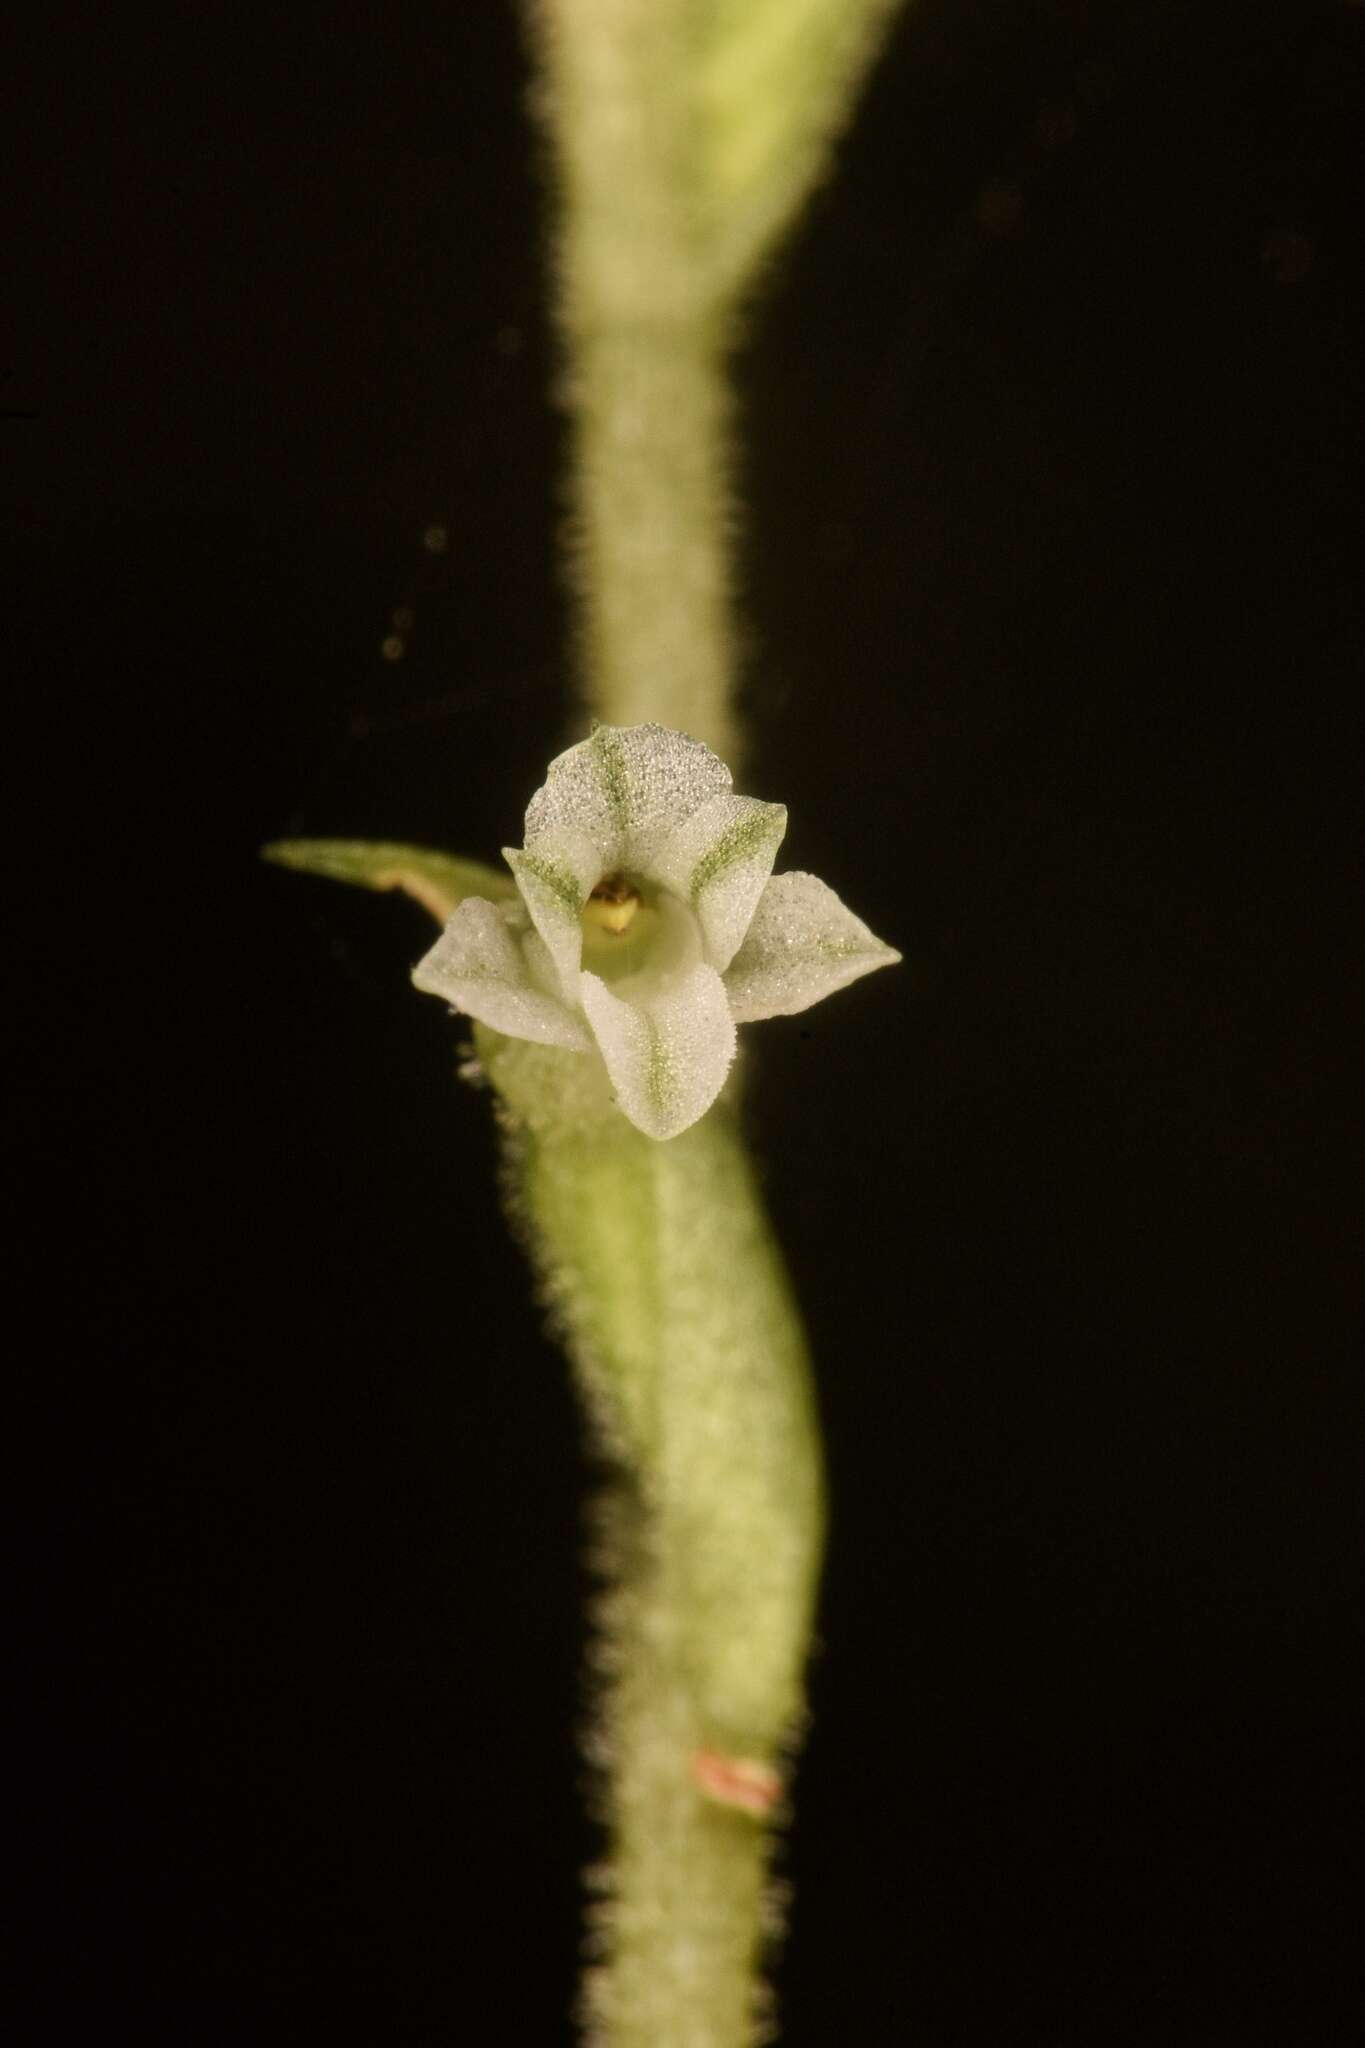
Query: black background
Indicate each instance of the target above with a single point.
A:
(1052, 454)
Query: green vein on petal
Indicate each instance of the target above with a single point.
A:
(740, 841)
(562, 885)
(610, 756)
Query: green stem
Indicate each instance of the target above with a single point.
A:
(645, 377)
(662, 1272)
(681, 1923)
(683, 133)
(650, 486)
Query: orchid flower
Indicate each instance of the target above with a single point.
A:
(647, 924)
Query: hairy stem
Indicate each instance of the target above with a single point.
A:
(684, 133)
(644, 376)
(671, 1296)
(650, 493)
(681, 1923)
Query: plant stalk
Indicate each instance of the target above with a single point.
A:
(644, 379)
(662, 1274)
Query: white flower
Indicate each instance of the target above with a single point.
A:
(648, 924)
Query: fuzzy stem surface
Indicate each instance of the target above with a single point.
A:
(663, 1276)
(644, 378)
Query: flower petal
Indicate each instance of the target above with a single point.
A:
(667, 1059)
(718, 860)
(556, 878)
(802, 945)
(623, 789)
(478, 965)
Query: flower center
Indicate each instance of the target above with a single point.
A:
(612, 906)
(633, 932)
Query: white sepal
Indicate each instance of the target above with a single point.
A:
(801, 944)
(479, 965)
(625, 790)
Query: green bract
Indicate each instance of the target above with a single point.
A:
(688, 933)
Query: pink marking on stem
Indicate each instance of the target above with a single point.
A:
(737, 1781)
